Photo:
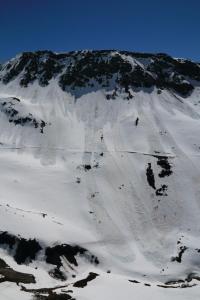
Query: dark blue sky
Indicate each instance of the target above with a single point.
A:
(62, 25)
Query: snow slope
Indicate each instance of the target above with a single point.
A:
(118, 177)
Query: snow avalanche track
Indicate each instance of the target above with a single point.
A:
(119, 178)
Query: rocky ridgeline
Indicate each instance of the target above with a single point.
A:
(105, 69)
(25, 251)
(11, 108)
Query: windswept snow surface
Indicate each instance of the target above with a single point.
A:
(119, 178)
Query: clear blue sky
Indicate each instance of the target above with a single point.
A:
(171, 26)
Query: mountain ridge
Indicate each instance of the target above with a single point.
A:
(85, 69)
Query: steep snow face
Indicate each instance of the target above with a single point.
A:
(100, 177)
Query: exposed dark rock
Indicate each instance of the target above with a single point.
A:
(7, 239)
(9, 108)
(48, 293)
(166, 167)
(54, 296)
(171, 282)
(17, 99)
(10, 275)
(162, 190)
(101, 69)
(96, 165)
(167, 286)
(150, 176)
(188, 68)
(182, 285)
(134, 281)
(78, 180)
(34, 68)
(3, 264)
(192, 276)
(178, 258)
(83, 282)
(53, 254)
(25, 250)
(87, 167)
(147, 284)
(57, 274)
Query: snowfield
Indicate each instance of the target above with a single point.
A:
(119, 178)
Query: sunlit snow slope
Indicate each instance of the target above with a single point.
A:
(99, 176)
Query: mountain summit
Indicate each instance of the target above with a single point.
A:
(83, 70)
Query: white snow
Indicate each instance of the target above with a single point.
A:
(132, 233)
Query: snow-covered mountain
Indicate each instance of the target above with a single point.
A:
(100, 168)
